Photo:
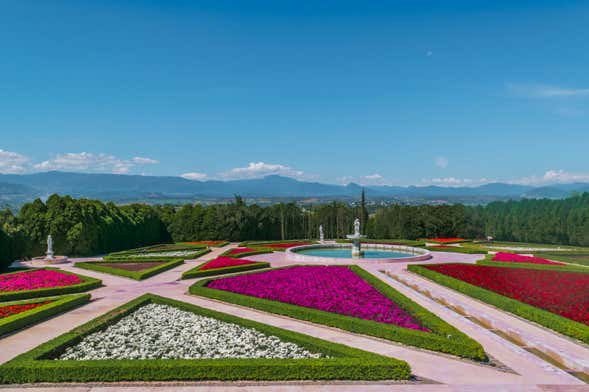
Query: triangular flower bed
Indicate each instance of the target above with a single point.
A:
(345, 297)
(155, 339)
(137, 269)
(21, 314)
(223, 265)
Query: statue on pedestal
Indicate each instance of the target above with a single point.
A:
(49, 248)
(321, 236)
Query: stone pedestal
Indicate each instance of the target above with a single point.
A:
(357, 248)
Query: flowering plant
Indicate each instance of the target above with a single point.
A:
(10, 310)
(335, 289)
(515, 258)
(36, 279)
(562, 293)
(446, 240)
(237, 251)
(224, 261)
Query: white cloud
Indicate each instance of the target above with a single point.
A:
(262, 169)
(371, 179)
(194, 176)
(553, 177)
(13, 162)
(85, 161)
(145, 161)
(441, 162)
(545, 91)
(454, 181)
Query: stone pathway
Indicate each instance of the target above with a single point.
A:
(451, 374)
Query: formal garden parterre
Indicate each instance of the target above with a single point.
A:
(556, 299)
(34, 283)
(134, 268)
(345, 297)
(223, 265)
(153, 338)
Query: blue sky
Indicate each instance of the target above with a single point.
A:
(412, 92)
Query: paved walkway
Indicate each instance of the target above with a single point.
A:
(530, 372)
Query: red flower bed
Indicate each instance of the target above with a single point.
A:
(515, 258)
(207, 243)
(329, 288)
(562, 293)
(224, 261)
(446, 240)
(10, 310)
(36, 279)
(238, 251)
(284, 245)
(442, 246)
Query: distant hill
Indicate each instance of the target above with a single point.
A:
(129, 188)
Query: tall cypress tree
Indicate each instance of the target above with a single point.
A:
(363, 212)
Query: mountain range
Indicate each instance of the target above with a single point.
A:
(18, 188)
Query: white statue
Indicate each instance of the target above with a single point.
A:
(49, 247)
(321, 237)
(357, 227)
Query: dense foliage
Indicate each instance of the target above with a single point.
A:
(87, 227)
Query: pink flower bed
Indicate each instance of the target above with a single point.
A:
(237, 251)
(333, 289)
(515, 258)
(36, 279)
(224, 261)
(446, 240)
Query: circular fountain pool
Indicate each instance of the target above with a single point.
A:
(342, 254)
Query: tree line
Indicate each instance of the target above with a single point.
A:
(83, 227)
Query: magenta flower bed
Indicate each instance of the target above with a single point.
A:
(515, 258)
(334, 289)
(36, 279)
(224, 261)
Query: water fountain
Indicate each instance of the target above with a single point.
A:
(356, 237)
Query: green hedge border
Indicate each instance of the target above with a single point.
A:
(457, 249)
(34, 316)
(245, 254)
(443, 338)
(196, 273)
(133, 256)
(345, 363)
(262, 243)
(220, 245)
(154, 249)
(543, 317)
(87, 284)
(103, 266)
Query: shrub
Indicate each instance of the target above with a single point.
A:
(344, 363)
(127, 257)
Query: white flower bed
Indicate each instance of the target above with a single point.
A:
(177, 253)
(163, 332)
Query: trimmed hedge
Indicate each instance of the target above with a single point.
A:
(344, 363)
(219, 245)
(159, 248)
(87, 284)
(102, 266)
(133, 256)
(443, 337)
(196, 273)
(245, 254)
(457, 249)
(543, 317)
(41, 313)
(262, 243)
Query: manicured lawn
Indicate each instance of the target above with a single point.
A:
(127, 344)
(345, 297)
(137, 269)
(557, 299)
(43, 282)
(581, 258)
